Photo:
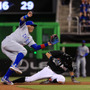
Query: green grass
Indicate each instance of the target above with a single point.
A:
(61, 87)
(11, 78)
(58, 87)
(81, 79)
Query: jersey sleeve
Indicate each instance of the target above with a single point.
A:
(87, 51)
(21, 23)
(31, 41)
(37, 47)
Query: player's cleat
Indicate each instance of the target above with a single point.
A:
(13, 68)
(46, 82)
(84, 76)
(6, 82)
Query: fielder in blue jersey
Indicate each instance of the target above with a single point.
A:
(13, 45)
(82, 52)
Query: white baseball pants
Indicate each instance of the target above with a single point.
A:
(81, 61)
(46, 72)
(11, 48)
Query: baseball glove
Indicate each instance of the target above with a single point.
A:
(54, 39)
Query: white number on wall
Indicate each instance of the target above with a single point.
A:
(4, 5)
(27, 5)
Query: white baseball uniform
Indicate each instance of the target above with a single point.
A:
(13, 44)
(55, 68)
(81, 50)
(46, 72)
(58, 63)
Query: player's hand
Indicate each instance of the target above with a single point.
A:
(49, 44)
(29, 14)
(81, 56)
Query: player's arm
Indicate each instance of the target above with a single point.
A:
(53, 40)
(38, 47)
(48, 55)
(71, 74)
(87, 52)
(53, 54)
(23, 18)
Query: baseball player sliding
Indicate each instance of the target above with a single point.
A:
(59, 62)
(13, 45)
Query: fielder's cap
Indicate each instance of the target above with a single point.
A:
(31, 23)
(83, 41)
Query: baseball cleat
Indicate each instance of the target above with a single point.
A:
(13, 68)
(6, 81)
(46, 82)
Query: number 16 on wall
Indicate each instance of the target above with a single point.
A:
(4, 5)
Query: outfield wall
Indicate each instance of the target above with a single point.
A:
(36, 60)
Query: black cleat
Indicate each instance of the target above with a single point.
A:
(45, 82)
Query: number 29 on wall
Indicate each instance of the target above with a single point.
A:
(27, 5)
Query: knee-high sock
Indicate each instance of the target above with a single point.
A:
(18, 59)
(8, 74)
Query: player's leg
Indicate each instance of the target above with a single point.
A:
(83, 63)
(12, 56)
(10, 50)
(17, 50)
(14, 47)
(19, 80)
(58, 78)
(15, 64)
(78, 67)
(44, 73)
(55, 78)
(5, 78)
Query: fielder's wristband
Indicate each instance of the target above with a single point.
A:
(51, 57)
(44, 45)
(85, 55)
(25, 16)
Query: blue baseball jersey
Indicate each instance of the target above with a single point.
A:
(22, 36)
